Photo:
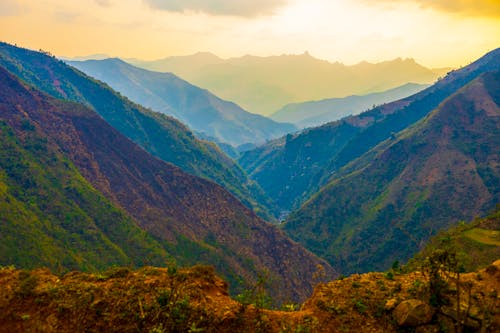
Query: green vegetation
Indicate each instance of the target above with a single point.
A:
(483, 236)
(202, 111)
(160, 135)
(51, 216)
(476, 243)
(291, 170)
(194, 220)
(383, 206)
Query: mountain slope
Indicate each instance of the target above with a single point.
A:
(444, 169)
(199, 109)
(292, 168)
(194, 219)
(160, 135)
(50, 215)
(263, 85)
(315, 113)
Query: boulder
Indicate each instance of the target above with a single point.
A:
(413, 312)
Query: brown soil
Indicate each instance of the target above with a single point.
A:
(196, 300)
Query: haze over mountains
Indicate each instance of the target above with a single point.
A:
(316, 113)
(263, 85)
(199, 109)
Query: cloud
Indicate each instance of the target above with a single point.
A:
(485, 8)
(10, 8)
(103, 3)
(244, 8)
(65, 16)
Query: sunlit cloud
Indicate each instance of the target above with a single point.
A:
(348, 31)
(243, 8)
(487, 8)
(66, 16)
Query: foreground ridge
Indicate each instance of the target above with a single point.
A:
(196, 300)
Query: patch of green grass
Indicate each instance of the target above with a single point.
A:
(484, 236)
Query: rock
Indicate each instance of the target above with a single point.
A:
(413, 312)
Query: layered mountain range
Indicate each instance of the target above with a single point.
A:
(294, 167)
(162, 136)
(199, 109)
(264, 85)
(77, 194)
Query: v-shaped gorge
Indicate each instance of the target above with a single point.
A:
(191, 219)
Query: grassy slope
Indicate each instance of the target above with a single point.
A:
(478, 242)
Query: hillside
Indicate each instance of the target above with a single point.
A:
(199, 109)
(292, 168)
(195, 220)
(160, 135)
(196, 300)
(316, 113)
(264, 85)
(383, 207)
(477, 242)
(49, 214)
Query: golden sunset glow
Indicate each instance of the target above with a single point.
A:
(434, 33)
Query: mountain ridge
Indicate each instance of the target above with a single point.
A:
(441, 170)
(198, 108)
(316, 113)
(161, 135)
(265, 84)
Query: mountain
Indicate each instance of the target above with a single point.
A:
(264, 85)
(160, 135)
(194, 220)
(95, 56)
(385, 205)
(198, 108)
(294, 167)
(50, 214)
(315, 113)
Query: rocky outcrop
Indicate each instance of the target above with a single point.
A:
(413, 312)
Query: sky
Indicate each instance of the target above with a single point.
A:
(441, 33)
